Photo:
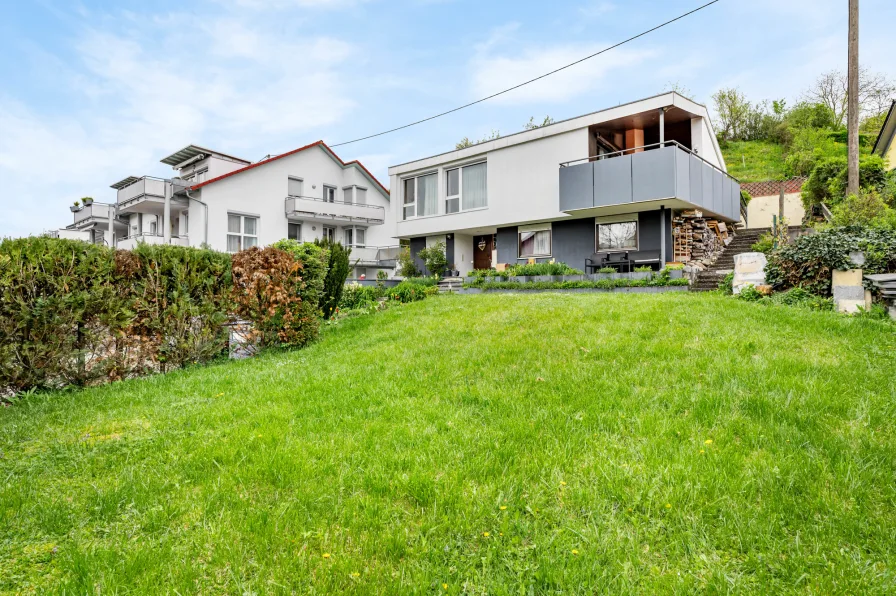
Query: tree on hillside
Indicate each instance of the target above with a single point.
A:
(876, 92)
(732, 110)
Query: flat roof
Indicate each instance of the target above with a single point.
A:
(125, 182)
(191, 151)
(599, 117)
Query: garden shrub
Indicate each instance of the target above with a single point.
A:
(267, 286)
(765, 244)
(179, 298)
(337, 272)
(60, 310)
(435, 259)
(315, 262)
(550, 268)
(810, 260)
(408, 291)
(357, 296)
(727, 284)
(827, 182)
(868, 208)
(406, 265)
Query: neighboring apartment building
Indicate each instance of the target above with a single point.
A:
(885, 145)
(603, 182)
(230, 204)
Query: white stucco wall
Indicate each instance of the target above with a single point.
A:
(261, 192)
(761, 209)
(523, 170)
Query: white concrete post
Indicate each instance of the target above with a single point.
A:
(166, 217)
(111, 215)
(662, 126)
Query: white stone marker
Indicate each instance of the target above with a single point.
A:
(749, 270)
(849, 293)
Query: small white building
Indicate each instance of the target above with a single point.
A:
(229, 204)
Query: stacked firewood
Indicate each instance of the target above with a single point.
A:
(696, 239)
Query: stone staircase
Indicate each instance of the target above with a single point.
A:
(451, 284)
(709, 278)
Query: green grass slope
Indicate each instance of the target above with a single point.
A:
(501, 444)
(754, 161)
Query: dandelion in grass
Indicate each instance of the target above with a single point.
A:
(575, 552)
(503, 507)
(486, 534)
(444, 586)
(356, 574)
(562, 483)
(668, 505)
(326, 555)
(707, 442)
(702, 451)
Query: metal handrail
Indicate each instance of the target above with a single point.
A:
(320, 200)
(565, 164)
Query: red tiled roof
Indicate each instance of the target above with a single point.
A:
(773, 187)
(320, 144)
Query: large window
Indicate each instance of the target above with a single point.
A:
(242, 232)
(330, 194)
(347, 193)
(535, 243)
(355, 236)
(466, 188)
(294, 231)
(621, 235)
(328, 233)
(421, 196)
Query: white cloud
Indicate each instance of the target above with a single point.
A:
(597, 9)
(138, 89)
(493, 72)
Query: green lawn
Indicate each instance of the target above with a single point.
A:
(754, 161)
(500, 444)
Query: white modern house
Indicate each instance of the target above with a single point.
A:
(228, 203)
(603, 183)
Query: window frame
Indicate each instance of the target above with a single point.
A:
(332, 233)
(353, 230)
(242, 235)
(519, 240)
(457, 196)
(416, 203)
(294, 223)
(298, 179)
(326, 191)
(597, 226)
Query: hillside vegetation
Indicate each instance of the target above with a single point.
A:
(500, 444)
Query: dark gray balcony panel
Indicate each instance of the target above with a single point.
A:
(577, 187)
(682, 175)
(653, 174)
(613, 181)
(649, 176)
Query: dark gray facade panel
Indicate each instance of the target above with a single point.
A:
(573, 241)
(613, 181)
(418, 244)
(449, 250)
(577, 187)
(653, 174)
(649, 231)
(508, 245)
(718, 190)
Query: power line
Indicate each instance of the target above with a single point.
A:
(538, 78)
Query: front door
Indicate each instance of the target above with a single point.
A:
(482, 251)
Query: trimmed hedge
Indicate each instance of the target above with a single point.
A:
(74, 313)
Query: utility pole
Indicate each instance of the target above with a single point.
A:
(852, 99)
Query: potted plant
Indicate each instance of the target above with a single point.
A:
(75, 207)
(87, 201)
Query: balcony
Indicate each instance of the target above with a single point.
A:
(132, 241)
(665, 174)
(309, 208)
(374, 256)
(91, 213)
(144, 195)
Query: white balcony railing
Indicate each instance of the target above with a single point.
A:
(133, 240)
(314, 208)
(145, 187)
(383, 256)
(93, 210)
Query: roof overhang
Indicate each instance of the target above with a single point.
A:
(125, 182)
(887, 133)
(191, 151)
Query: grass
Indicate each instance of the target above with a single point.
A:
(500, 444)
(754, 161)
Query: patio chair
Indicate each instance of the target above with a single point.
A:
(595, 261)
(617, 260)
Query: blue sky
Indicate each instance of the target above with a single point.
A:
(93, 91)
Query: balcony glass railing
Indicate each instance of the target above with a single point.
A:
(315, 208)
(385, 256)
